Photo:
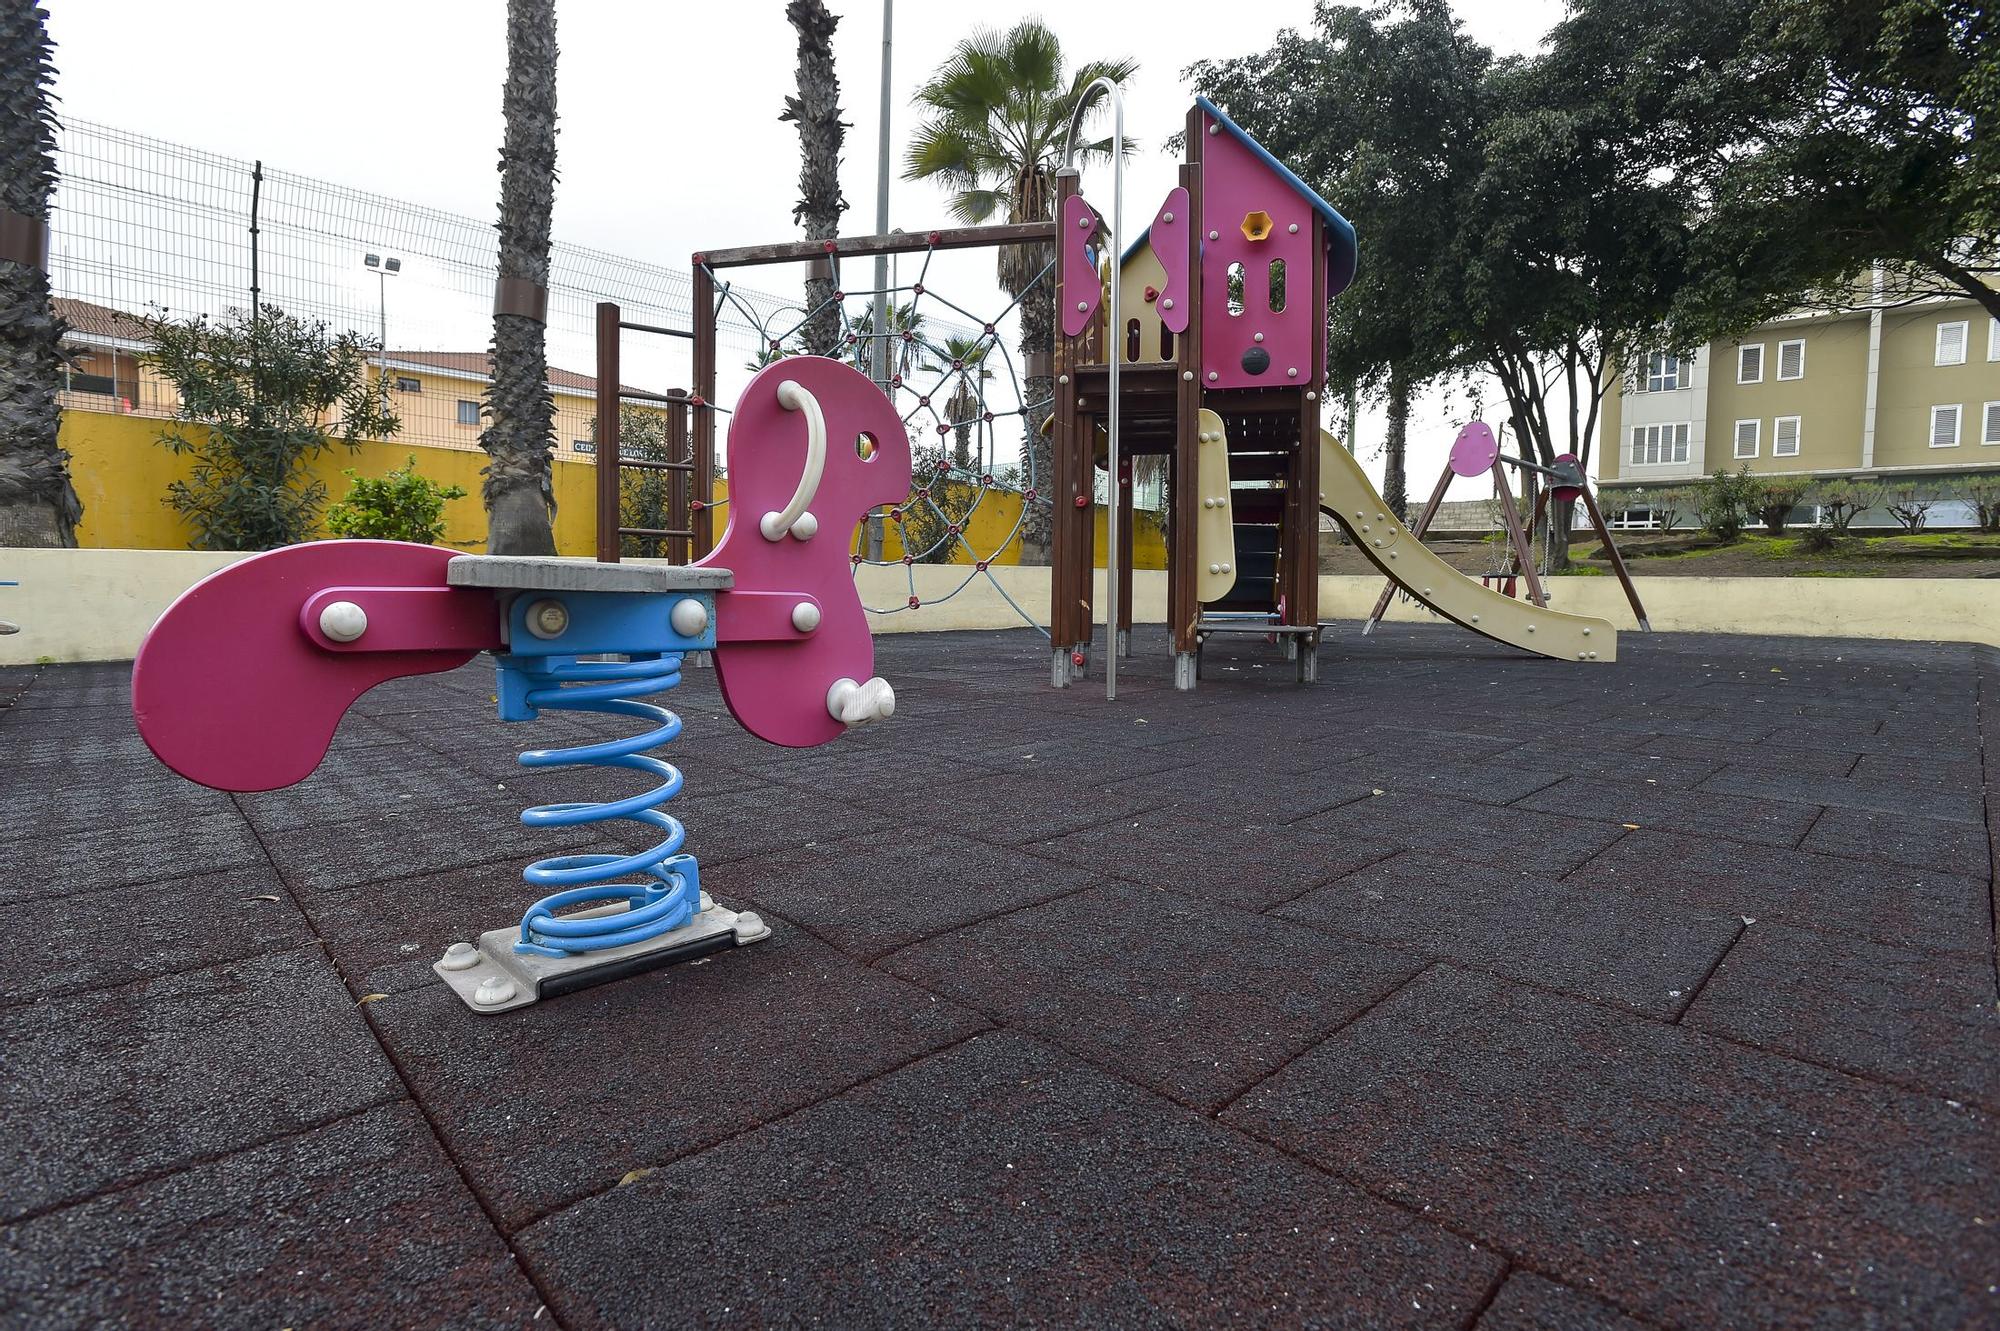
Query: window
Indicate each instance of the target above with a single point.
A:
(1659, 445)
(468, 412)
(1951, 343)
(1991, 434)
(1662, 373)
(1785, 437)
(405, 384)
(1944, 426)
(1792, 359)
(1748, 435)
(1993, 339)
(1750, 363)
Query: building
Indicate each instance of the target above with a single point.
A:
(1887, 392)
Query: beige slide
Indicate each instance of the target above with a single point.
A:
(1347, 494)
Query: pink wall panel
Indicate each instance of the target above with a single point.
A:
(1235, 183)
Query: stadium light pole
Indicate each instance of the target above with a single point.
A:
(384, 268)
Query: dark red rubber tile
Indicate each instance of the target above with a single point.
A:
(1740, 818)
(1705, 1183)
(1018, 806)
(1193, 1000)
(1000, 1184)
(873, 894)
(64, 864)
(316, 858)
(1901, 906)
(106, 1087)
(1243, 864)
(1854, 794)
(1899, 839)
(1648, 748)
(386, 935)
(94, 940)
(550, 1103)
(359, 1223)
(1533, 1303)
(1612, 946)
(1467, 830)
(1924, 1020)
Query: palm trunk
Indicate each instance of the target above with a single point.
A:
(816, 111)
(519, 493)
(1038, 340)
(1395, 479)
(38, 506)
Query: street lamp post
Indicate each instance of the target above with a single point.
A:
(384, 268)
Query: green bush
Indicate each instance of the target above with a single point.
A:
(401, 506)
(1818, 540)
(1722, 502)
(1772, 498)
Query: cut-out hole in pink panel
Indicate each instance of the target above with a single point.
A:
(1277, 286)
(1236, 288)
(866, 446)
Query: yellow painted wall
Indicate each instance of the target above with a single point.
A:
(998, 513)
(121, 473)
(1830, 401)
(1913, 382)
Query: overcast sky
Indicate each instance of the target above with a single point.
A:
(670, 140)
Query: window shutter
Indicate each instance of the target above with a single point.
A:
(1791, 360)
(1750, 363)
(1993, 339)
(1944, 427)
(1680, 443)
(1746, 438)
(1785, 437)
(1991, 435)
(1951, 344)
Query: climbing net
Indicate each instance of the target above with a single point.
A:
(956, 384)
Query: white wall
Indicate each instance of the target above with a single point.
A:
(96, 605)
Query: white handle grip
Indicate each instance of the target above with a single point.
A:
(854, 704)
(793, 396)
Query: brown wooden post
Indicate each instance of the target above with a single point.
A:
(1121, 636)
(1510, 514)
(608, 517)
(704, 411)
(1069, 537)
(1423, 524)
(678, 486)
(1617, 560)
(1183, 610)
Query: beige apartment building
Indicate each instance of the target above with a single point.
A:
(1894, 392)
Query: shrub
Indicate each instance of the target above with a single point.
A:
(1983, 493)
(1818, 539)
(1721, 501)
(1772, 499)
(1841, 502)
(1909, 505)
(401, 506)
(260, 397)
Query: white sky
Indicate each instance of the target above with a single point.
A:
(670, 139)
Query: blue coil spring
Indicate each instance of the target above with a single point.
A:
(668, 894)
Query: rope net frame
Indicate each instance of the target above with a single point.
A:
(942, 379)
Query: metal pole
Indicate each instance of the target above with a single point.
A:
(382, 351)
(882, 352)
(1114, 350)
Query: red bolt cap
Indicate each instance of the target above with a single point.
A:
(1083, 501)
(1076, 658)
(914, 603)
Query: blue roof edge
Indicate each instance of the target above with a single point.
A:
(1340, 231)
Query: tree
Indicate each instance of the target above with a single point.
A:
(996, 113)
(520, 414)
(646, 494)
(402, 506)
(1771, 500)
(1867, 138)
(1910, 505)
(1983, 493)
(966, 356)
(1722, 500)
(816, 111)
(38, 505)
(912, 350)
(1381, 110)
(260, 398)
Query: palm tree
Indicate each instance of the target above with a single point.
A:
(38, 506)
(520, 430)
(997, 110)
(965, 355)
(912, 350)
(816, 111)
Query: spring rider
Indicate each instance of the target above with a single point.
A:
(242, 682)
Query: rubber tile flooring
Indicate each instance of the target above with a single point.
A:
(1457, 990)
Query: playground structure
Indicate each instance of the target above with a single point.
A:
(241, 683)
(1206, 343)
